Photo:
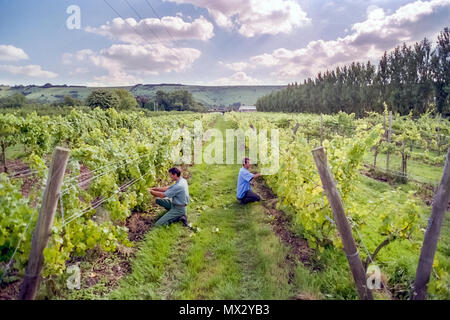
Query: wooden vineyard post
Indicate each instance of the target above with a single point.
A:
(296, 128)
(5, 169)
(342, 224)
(404, 160)
(321, 129)
(439, 136)
(375, 156)
(44, 224)
(389, 140)
(431, 238)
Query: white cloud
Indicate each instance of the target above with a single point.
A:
(29, 71)
(114, 78)
(264, 60)
(153, 59)
(254, 17)
(155, 30)
(79, 70)
(239, 78)
(80, 55)
(143, 53)
(11, 53)
(408, 23)
(127, 63)
(367, 40)
(236, 66)
(374, 12)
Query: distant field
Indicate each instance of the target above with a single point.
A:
(210, 96)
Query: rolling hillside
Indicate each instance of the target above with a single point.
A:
(209, 96)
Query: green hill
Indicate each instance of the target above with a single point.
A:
(209, 96)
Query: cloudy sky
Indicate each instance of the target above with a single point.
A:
(205, 42)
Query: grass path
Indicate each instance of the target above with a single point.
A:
(244, 259)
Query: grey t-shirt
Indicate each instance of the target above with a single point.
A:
(179, 192)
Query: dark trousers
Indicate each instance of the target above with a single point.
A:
(249, 196)
(174, 213)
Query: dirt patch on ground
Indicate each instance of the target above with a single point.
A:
(370, 174)
(379, 175)
(15, 166)
(102, 268)
(19, 170)
(10, 291)
(98, 266)
(28, 184)
(84, 179)
(138, 224)
(106, 267)
(300, 250)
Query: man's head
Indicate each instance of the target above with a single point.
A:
(175, 173)
(246, 163)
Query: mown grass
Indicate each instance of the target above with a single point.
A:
(149, 264)
(416, 169)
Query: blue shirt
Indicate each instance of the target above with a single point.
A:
(179, 192)
(243, 183)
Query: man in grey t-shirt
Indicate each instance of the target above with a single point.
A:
(174, 198)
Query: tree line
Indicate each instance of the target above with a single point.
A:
(408, 79)
(177, 100)
(120, 99)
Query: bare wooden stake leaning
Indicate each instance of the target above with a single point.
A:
(342, 224)
(296, 128)
(44, 224)
(442, 197)
(321, 128)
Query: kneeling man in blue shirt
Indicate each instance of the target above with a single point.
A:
(244, 191)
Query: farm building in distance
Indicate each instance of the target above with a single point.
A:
(247, 109)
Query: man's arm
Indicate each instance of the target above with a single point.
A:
(160, 189)
(256, 175)
(157, 194)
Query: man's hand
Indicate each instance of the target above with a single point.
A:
(255, 175)
(159, 189)
(157, 194)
